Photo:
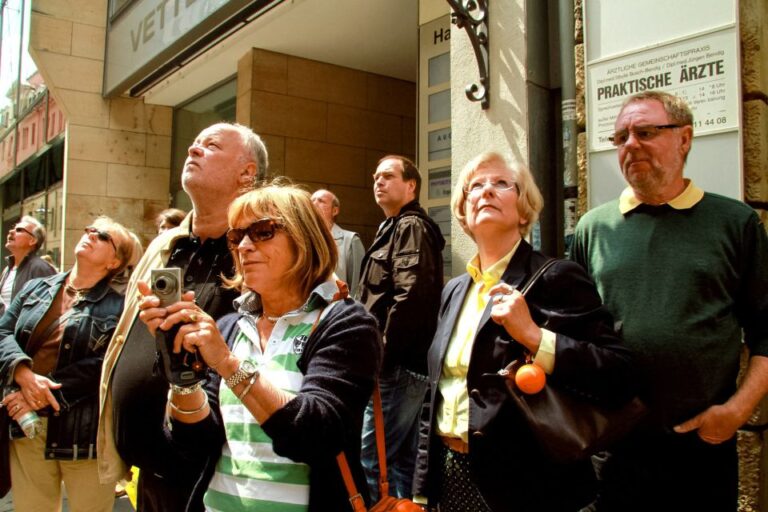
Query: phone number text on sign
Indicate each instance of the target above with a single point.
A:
(703, 70)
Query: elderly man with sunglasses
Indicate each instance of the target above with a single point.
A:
(222, 163)
(685, 273)
(23, 241)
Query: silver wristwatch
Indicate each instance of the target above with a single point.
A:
(245, 371)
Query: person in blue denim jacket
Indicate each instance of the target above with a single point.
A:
(52, 342)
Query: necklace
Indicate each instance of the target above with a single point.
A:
(272, 319)
(79, 293)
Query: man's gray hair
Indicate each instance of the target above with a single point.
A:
(676, 108)
(38, 231)
(255, 147)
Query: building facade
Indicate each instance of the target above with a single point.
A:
(332, 86)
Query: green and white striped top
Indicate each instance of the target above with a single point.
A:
(249, 474)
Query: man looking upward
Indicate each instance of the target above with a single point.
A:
(222, 163)
(23, 241)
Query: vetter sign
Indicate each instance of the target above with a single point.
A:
(151, 32)
(703, 70)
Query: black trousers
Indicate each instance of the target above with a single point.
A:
(668, 471)
(158, 494)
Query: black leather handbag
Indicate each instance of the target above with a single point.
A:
(569, 427)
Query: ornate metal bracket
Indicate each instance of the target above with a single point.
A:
(472, 15)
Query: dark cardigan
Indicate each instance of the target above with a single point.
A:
(340, 363)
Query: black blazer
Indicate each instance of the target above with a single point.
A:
(507, 465)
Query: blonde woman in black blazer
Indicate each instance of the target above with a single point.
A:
(476, 453)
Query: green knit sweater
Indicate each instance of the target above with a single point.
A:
(682, 284)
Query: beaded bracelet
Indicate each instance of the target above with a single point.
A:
(185, 411)
(186, 390)
(247, 387)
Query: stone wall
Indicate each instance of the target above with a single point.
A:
(753, 16)
(326, 126)
(118, 151)
(754, 75)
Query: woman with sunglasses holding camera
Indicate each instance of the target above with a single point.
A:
(52, 342)
(291, 371)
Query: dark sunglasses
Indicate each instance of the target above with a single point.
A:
(101, 235)
(259, 231)
(19, 229)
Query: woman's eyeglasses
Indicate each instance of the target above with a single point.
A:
(101, 235)
(259, 231)
(500, 185)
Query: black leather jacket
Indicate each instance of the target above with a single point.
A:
(400, 285)
(72, 431)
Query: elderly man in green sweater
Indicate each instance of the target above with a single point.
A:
(685, 273)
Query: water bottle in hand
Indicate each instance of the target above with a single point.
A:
(31, 424)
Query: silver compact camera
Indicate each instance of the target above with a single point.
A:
(185, 368)
(166, 285)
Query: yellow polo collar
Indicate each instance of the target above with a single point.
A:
(687, 198)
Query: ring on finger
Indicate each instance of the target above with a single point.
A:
(193, 318)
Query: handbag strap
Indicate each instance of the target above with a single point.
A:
(381, 449)
(535, 277)
(31, 349)
(355, 499)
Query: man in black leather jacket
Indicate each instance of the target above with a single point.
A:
(400, 285)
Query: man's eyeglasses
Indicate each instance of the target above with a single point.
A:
(259, 231)
(475, 188)
(101, 235)
(642, 133)
(19, 229)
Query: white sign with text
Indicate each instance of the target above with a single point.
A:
(703, 70)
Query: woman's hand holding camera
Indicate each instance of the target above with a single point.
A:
(197, 331)
(155, 316)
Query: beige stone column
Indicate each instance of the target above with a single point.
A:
(118, 152)
(753, 16)
(754, 74)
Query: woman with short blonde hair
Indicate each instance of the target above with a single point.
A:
(476, 451)
(529, 202)
(292, 208)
